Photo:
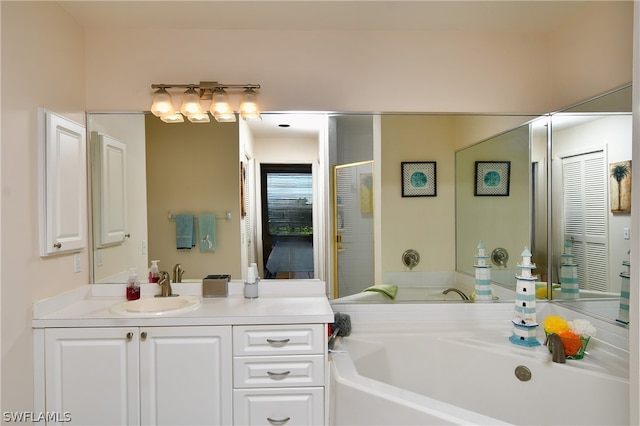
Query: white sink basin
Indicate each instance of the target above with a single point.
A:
(156, 306)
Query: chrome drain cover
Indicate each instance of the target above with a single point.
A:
(523, 373)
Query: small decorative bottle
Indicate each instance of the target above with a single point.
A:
(154, 272)
(133, 285)
(251, 285)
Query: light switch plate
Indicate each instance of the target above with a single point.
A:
(77, 263)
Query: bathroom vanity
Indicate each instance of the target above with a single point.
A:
(229, 360)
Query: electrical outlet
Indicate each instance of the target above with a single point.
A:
(77, 263)
(626, 233)
(99, 257)
(144, 247)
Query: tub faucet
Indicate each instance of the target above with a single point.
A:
(165, 285)
(455, 290)
(178, 272)
(557, 348)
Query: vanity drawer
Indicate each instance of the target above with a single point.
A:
(290, 407)
(295, 339)
(278, 371)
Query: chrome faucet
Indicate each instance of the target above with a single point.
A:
(165, 284)
(557, 348)
(464, 296)
(178, 272)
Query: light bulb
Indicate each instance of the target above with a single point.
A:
(162, 103)
(220, 102)
(249, 107)
(191, 103)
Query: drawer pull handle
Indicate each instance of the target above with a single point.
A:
(278, 422)
(278, 375)
(129, 336)
(281, 342)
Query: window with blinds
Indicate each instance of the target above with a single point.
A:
(584, 184)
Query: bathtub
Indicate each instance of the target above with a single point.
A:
(405, 293)
(446, 372)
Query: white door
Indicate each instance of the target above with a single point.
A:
(185, 375)
(92, 376)
(585, 190)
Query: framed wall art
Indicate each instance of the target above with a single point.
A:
(419, 179)
(620, 187)
(492, 178)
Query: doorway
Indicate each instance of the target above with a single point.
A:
(287, 220)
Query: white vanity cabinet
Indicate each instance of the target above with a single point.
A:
(279, 374)
(139, 375)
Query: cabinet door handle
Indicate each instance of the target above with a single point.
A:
(278, 422)
(129, 336)
(57, 245)
(143, 335)
(281, 342)
(278, 375)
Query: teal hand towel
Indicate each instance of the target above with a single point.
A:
(207, 232)
(387, 289)
(185, 236)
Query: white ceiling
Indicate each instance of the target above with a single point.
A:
(323, 15)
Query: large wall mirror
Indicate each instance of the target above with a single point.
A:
(173, 171)
(164, 166)
(508, 213)
(591, 214)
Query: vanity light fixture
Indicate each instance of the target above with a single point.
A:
(249, 106)
(195, 102)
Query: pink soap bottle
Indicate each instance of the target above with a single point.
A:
(133, 285)
(154, 272)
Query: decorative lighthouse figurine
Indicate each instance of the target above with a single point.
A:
(483, 275)
(524, 317)
(569, 288)
(623, 316)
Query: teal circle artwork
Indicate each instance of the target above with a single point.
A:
(492, 178)
(418, 179)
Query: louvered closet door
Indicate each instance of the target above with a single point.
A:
(584, 178)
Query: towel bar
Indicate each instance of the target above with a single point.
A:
(172, 216)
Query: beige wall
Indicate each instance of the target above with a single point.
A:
(593, 50)
(189, 171)
(425, 71)
(48, 60)
(425, 224)
(42, 66)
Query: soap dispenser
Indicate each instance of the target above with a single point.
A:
(154, 272)
(133, 285)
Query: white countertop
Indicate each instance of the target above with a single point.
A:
(280, 302)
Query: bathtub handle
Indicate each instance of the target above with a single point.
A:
(282, 342)
(278, 422)
(278, 375)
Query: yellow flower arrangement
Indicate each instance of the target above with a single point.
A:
(555, 324)
(574, 334)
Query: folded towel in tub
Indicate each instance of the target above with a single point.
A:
(185, 235)
(389, 290)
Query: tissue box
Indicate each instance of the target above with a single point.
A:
(215, 285)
